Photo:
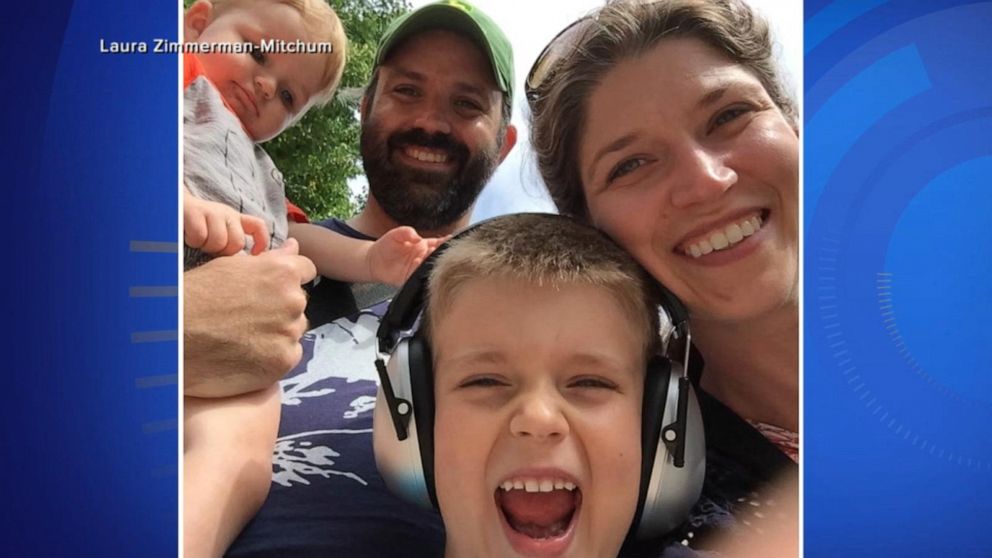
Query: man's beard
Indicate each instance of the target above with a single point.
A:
(422, 199)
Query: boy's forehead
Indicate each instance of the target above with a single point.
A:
(447, 294)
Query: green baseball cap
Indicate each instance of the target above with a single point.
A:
(461, 16)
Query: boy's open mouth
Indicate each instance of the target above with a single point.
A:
(539, 508)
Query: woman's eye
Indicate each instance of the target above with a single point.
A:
(257, 54)
(624, 168)
(287, 98)
(727, 116)
(406, 91)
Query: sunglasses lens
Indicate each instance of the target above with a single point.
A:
(557, 50)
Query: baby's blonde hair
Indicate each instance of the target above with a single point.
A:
(322, 25)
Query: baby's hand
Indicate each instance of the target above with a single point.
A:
(397, 254)
(219, 230)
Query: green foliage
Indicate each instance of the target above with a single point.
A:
(320, 153)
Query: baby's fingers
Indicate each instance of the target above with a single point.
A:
(194, 229)
(259, 232)
(217, 231)
(235, 235)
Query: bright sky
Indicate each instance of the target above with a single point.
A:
(530, 24)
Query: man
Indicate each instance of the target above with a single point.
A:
(434, 128)
(435, 125)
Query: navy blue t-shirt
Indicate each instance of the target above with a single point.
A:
(327, 498)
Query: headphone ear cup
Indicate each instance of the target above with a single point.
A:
(667, 492)
(407, 465)
(422, 392)
(652, 414)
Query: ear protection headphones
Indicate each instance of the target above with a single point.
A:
(673, 448)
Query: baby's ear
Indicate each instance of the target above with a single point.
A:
(197, 19)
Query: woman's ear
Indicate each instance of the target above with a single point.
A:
(197, 18)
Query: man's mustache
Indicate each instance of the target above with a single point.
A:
(419, 137)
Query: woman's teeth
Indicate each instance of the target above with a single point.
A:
(537, 485)
(724, 238)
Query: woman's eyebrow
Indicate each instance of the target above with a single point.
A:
(712, 97)
(616, 145)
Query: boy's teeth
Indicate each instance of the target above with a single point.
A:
(537, 485)
(725, 237)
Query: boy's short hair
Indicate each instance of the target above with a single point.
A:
(545, 249)
(323, 25)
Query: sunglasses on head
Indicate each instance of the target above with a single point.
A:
(556, 52)
(561, 48)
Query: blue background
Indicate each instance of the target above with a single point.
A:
(90, 441)
(897, 384)
(898, 391)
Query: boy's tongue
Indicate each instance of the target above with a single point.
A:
(526, 511)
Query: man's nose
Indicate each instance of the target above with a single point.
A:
(433, 118)
(704, 175)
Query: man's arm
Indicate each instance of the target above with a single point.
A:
(227, 466)
(243, 319)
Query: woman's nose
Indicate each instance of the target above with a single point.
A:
(539, 417)
(705, 176)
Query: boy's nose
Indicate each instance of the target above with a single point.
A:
(540, 418)
(266, 86)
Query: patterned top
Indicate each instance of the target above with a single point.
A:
(783, 438)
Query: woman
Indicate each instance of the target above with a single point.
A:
(665, 124)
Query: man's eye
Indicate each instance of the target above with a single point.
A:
(287, 98)
(257, 54)
(625, 167)
(406, 91)
(471, 105)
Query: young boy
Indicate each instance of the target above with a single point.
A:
(540, 331)
(234, 99)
